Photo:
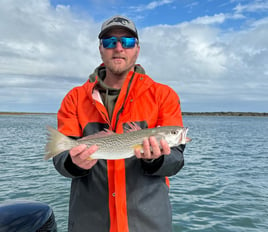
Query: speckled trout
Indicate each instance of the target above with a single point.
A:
(113, 146)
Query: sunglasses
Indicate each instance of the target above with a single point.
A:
(126, 42)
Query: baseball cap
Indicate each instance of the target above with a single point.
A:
(118, 21)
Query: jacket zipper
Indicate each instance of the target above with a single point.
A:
(122, 107)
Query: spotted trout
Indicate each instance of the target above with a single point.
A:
(113, 146)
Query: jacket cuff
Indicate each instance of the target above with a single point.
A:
(166, 165)
(152, 166)
(66, 167)
(74, 169)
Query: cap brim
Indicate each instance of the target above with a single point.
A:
(105, 31)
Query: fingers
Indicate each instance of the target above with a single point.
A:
(152, 149)
(80, 156)
(76, 150)
(165, 147)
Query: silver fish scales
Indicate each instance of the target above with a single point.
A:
(113, 146)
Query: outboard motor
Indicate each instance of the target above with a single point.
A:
(26, 216)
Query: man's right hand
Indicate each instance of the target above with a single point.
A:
(80, 156)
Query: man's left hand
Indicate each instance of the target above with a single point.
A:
(152, 150)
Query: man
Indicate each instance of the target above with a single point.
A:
(119, 195)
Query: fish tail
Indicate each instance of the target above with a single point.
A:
(56, 143)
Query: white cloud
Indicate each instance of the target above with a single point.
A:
(41, 39)
(186, 49)
(43, 47)
(256, 6)
(203, 62)
(192, 5)
(218, 18)
(45, 51)
(154, 4)
(151, 5)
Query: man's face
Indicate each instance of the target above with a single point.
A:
(119, 61)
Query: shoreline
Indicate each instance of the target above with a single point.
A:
(25, 113)
(248, 114)
(237, 114)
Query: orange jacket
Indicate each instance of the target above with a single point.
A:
(121, 195)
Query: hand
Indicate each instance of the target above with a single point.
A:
(152, 150)
(80, 156)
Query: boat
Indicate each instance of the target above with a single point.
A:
(26, 216)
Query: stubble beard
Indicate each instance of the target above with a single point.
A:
(121, 70)
(118, 70)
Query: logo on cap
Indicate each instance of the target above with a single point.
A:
(119, 20)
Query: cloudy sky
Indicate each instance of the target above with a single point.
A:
(214, 53)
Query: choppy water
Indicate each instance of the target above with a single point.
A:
(223, 186)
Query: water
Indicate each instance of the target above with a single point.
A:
(223, 186)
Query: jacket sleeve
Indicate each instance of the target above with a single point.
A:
(66, 167)
(169, 115)
(68, 124)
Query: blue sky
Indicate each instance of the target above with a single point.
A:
(213, 53)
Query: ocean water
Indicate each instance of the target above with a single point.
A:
(222, 187)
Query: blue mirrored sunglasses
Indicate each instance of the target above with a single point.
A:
(126, 42)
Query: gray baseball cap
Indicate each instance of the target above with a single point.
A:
(118, 21)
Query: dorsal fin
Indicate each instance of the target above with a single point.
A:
(100, 134)
(132, 127)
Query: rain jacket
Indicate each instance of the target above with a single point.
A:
(128, 195)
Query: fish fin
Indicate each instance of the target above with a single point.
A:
(100, 134)
(132, 127)
(89, 158)
(138, 146)
(56, 143)
(187, 140)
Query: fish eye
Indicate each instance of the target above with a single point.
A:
(174, 132)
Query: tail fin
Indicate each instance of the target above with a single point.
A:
(56, 143)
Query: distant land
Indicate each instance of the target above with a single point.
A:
(255, 114)
(25, 113)
(251, 114)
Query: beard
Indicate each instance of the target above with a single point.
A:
(120, 66)
(117, 71)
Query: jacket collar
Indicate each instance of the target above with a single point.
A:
(136, 82)
(100, 72)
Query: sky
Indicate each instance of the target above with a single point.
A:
(213, 53)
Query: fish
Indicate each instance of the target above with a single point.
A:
(113, 146)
